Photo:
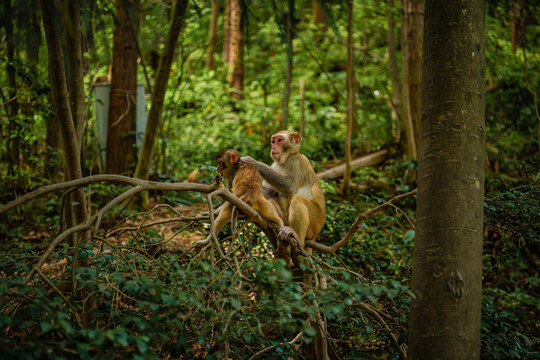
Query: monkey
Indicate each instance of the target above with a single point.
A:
(292, 186)
(244, 181)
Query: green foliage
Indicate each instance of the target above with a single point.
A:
(149, 308)
(154, 306)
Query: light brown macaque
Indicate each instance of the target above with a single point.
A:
(244, 181)
(292, 186)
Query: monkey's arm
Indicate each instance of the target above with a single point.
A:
(281, 183)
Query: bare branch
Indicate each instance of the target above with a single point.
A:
(354, 228)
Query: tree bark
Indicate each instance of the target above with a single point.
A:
(12, 109)
(319, 16)
(411, 72)
(212, 34)
(302, 108)
(61, 105)
(351, 108)
(226, 31)
(74, 69)
(236, 51)
(289, 18)
(447, 269)
(394, 72)
(122, 122)
(154, 117)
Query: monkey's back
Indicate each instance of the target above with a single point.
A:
(247, 183)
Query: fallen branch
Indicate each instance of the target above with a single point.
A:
(368, 160)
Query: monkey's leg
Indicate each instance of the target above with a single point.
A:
(222, 219)
(298, 220)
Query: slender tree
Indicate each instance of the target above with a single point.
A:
(289, 34)
(351, 108)
(12, 108)
(144, 162)
(121, 126)
(447, 269)
(73, 63)
(236, 50)
(226, 31)
(319, 15)
(394, 72)
(77, 211)
(411, 72)
(212, 34)
(51, 21)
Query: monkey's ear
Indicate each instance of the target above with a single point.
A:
(296, 137)
(234, 157)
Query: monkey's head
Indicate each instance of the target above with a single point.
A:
(227, 161)
(284, 144)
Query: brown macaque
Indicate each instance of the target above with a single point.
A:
(292, 186)
(244, 181)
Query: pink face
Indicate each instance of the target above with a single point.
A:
(277, 143)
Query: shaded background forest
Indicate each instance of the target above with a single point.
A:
(294, 75)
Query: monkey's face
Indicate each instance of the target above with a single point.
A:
(284, 143)
(227, 160)
(278, 146)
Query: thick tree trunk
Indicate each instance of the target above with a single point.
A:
(394, 73)
(154, 117)
(121, 127)
(411, 72)
(447, 270)
(351, 108)
(212, 34)
(236, 51)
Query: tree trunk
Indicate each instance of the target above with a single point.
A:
(413, 13)
(288, 68)
(319, 16)
(121, 126)
(154, 117)
(212, 34)
(302, 109)
(236, 51)
(12, 109)
(447, 271)
(227, 31)
(77, 213)
(73, 64)
(61, 104)
(351, 108)
(394, 73)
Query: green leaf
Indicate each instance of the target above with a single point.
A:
(310, 331)
(4, 320)
(409, 236)
(83, 347)
(235, 303)
(45, 326)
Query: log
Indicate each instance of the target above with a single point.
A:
(368, 160)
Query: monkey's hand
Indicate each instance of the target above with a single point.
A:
(218, 179)
(285, 232)
(248, 160)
